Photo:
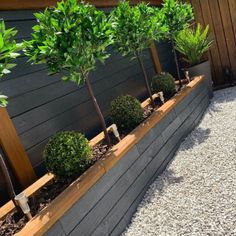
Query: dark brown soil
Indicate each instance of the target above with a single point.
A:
(14, 223)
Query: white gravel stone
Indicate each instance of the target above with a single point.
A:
(196, 195)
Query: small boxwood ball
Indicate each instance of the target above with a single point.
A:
(67, 154)
(126, 112)
(164, 82)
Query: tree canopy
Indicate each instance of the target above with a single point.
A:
(177, 15)
(70, 37)
(133, 27)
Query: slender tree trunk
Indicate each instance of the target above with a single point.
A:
(98, 110)
(7, 178)
(177, 64)
(9, 185)
(140, 60)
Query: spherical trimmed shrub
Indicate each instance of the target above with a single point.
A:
(164, 82)
(67, 154)
(126, 112)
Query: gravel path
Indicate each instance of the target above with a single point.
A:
(196, 195)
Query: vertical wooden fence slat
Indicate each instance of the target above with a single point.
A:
(221, 17)
(155, 57)
(206, 12)
(229, 33)
(232, 7)
(199, 19)
(14, 151)
(220, 36)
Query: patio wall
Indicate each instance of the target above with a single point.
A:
(40, 105)
(108, 206)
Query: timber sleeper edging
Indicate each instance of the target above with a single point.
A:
(51, 215)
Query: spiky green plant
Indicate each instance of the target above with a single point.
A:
(8, 52)
(193, 44)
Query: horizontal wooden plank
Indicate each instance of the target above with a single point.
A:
(46, 94)
(17, 15)
(22, 68)
(74, 119)
(40, 4)
(23, 27)
(24, 84)
(38, 97)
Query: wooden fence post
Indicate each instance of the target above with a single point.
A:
(14, 150)
(155, 57)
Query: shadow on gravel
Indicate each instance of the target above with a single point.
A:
(197, 137)
(167, 178)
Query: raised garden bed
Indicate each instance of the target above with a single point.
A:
(103, 199)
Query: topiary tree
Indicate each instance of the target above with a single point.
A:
(177, 16)
(126, 112)
(67, 154)
(8, 52)
(133, 29)
(164, 82)
(70, 38)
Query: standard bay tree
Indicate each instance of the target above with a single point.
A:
(177, 15)
(133, 29)
(70, 39)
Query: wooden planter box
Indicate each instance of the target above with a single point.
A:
(103, 200)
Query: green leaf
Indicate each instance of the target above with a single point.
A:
(134, 27)
(1, 42)
(3, 101)
(193, 44)
(65, 78)
(6, 71)
(176, 15)
(10, 66)
(70, 37)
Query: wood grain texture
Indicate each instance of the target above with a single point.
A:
(220, 15)
(40, 4)
(228, 32)
(14, 151)
(155, 57)
(199, 19)
(232, 7)
(206, 12)
(219, 33)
